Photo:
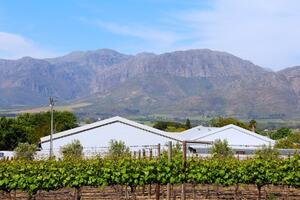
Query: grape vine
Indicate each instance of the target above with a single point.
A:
(32, 176)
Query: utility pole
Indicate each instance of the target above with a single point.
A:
(52, 130)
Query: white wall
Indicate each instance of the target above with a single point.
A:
(100, 137)
(6, 154)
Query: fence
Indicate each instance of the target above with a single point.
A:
(90, 152)
(193, 149)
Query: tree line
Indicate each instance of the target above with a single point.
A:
(30, 127)
(285, 137)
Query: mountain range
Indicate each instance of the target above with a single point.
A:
(198, 82)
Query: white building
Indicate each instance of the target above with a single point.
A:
(242, 141)
(235, 135)
(95, 137)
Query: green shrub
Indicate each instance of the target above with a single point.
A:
(292, 141)
(117, 149)
(221, 149)
(281, 133)
(72, 150)
(267, 153)
(25, 151)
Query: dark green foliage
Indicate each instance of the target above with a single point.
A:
(74, 150)
(188, 124)
(49, 175)
(31, 127)
(170, 126)
(220, 122)
(11, 133)
(281, 133)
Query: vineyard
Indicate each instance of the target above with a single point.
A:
(32, 176)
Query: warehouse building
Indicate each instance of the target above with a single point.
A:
(95, 137)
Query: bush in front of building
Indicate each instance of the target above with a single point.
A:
(267, 153)
(25, 151)
(72, 150)
(118, 149)
(221, 148)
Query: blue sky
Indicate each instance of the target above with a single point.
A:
(265, 32)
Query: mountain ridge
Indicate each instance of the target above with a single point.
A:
(180, 83)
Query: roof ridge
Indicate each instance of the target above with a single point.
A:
(106, 122)
(253, 134)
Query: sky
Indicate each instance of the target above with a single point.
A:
(266, 32)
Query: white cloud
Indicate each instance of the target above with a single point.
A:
(265, 32)
(14, 46)
(154, 36)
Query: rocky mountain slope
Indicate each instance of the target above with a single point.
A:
(181, 83)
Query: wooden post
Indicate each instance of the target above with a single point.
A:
(183, 168)
(157, 191)
(149, 186)
(169, 160)
(77, 194)
(134, 154)
(194, 191)
(170, 151)
(140, 154)
(149, 191)
(143, 157)
(150, 154)
(158, 151)
(126, 193)
(144, 153)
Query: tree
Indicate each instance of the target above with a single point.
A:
(25, 151)
(11, 134)
(117, 149)
(161, 125)
(221, 149)
(281, 133)
(252, 125)
(72, 150)
(292, 141)
(30, 128)
(220, 122)
(170, 126)
(188, 124)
